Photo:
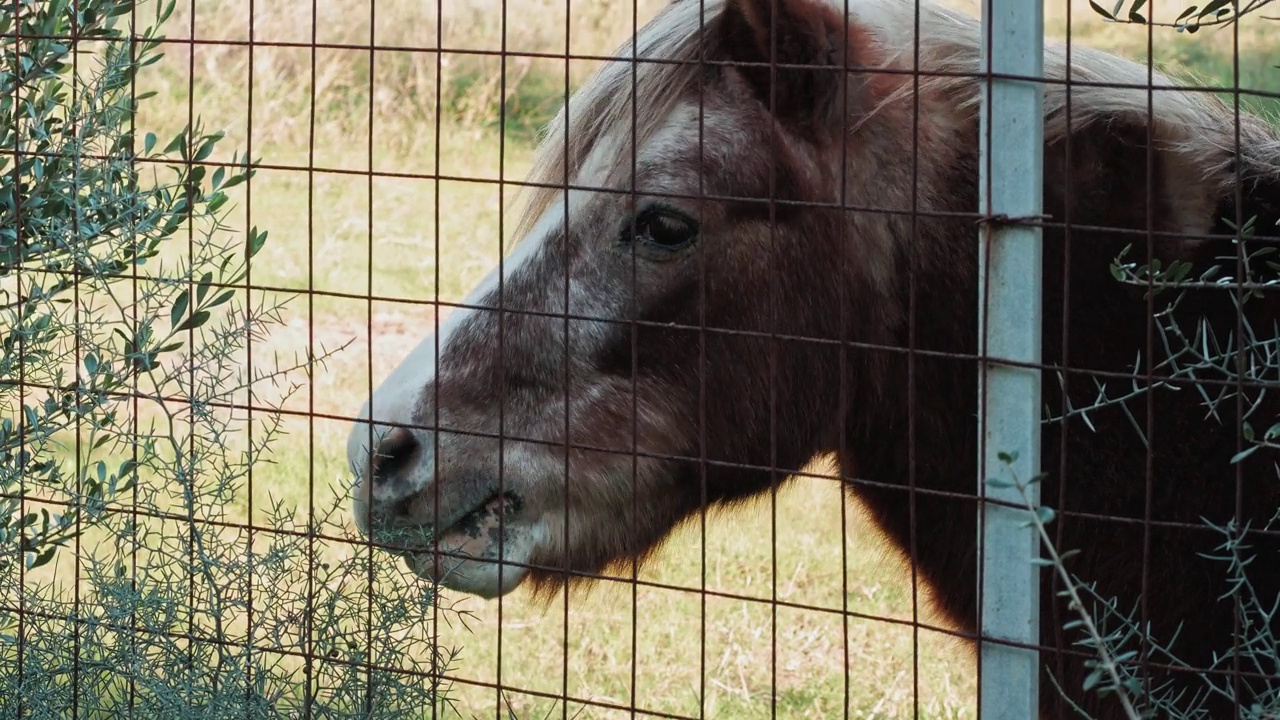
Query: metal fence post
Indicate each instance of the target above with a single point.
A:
(1011, 177)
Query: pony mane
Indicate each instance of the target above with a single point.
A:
(943, 47)
(605, 101)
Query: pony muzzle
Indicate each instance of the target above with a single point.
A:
(459, 534)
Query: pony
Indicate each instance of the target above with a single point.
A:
(751, 242)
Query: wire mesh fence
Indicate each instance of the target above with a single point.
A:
(689, 359)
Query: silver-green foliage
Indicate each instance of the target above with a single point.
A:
(125, 439)
(1217, 369)
(1193, 17)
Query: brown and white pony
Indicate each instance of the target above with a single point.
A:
(729, 286)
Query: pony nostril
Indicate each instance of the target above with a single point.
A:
(394, 452)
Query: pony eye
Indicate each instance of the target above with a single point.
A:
(664, 229)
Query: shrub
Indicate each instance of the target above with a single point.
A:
(131, 580)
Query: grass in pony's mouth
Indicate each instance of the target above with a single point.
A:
(473, 535)
(489, 516)
(505, 505)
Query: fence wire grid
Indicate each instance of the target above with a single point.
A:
(801, 358)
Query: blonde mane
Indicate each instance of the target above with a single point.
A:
(1194, 125)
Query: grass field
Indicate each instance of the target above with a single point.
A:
(337, 230)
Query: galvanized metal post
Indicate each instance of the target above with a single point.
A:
(1011, 175)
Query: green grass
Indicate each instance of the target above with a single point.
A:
(337, 231)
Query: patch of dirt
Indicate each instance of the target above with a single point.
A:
(360, 350)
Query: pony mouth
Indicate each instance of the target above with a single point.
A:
(469, 554)
(478, 527)
(489, 516)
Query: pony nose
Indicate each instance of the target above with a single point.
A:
(389, 481)
(390, 466)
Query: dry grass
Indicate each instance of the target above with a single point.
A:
(407, 239)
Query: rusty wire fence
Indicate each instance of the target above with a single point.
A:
(820, 359)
